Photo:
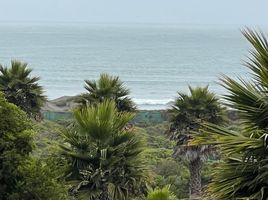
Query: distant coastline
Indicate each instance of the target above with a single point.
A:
(61, 109)
(66, 103)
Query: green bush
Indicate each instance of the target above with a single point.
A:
(41, 180)
(161, 194)
(165, 170)
(23, 177)
(15, 145)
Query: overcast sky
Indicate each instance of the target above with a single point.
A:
(242, 12)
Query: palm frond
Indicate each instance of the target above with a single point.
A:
(106, 156)
(107, 87)
(242, 173)
(21, 89)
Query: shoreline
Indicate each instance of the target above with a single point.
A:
(61, 109)
(66, 103)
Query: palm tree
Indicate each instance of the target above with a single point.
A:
(21, 89)
(105, 154)
(107, 87)
(243, 172)
(188, 113)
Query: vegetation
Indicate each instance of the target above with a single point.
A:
(16, 143)
(243, 172)
(41, 179)
(161, 194)
(105, 154)
(97, 160)
(23, 177)
(188, 113)
(21, 89)
(107, 87)
(163, 169)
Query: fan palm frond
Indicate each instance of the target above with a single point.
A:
(21, 89)
(107, 87)
(242, 173)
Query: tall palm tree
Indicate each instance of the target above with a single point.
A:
(188, 113)
(243, 172)
(107, 87)
(106, 156)
(21, 89)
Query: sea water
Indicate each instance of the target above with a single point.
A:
(155, 61)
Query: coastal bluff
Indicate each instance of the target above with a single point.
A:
(61, 104)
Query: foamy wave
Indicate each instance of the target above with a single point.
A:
(152, 101)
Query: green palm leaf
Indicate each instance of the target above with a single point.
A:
(242, 173)
(21, 89)
(107, 87)
(106, 156)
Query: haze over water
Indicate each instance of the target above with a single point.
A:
(155, 61)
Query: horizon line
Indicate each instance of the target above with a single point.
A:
(127, 23)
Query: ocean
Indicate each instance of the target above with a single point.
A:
(155, 61)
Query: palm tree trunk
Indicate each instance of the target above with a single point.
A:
(195, 167)
(104, 194)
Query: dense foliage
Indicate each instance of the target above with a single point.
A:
(42, 178)
(21, 89)
(105, 154)
(15, 145)
(107, 87)
(188, 113)
(243, 172)
(164, 168)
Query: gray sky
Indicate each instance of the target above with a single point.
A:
(242, 12)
